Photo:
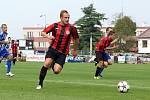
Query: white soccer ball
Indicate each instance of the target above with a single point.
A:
(123, 86)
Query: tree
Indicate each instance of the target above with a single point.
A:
(89, 25)
(125, 28)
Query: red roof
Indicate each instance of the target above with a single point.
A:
(145, 34)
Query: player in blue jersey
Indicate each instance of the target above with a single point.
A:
(4, 53)
(8, 47)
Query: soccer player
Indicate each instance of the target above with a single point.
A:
(4, 53)
(62, 34)
(8, 47)
(14, 48)
(102, 56)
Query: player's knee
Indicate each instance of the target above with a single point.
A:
(9, 57)
(105, 64)
(109, 62)
(47, 63)
(57, 69)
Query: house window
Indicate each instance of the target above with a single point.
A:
(42, 44)
(40, 34)
(29, 34)
(144, 43)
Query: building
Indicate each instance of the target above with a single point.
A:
(139, 30)
(144, 42)
(40, 44)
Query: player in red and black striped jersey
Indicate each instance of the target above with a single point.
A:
(62, 34)
(14, 48)
(102, 55)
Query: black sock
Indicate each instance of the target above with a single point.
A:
(42, 75)
(97, 71)
(14, 61)
(52, 65)
(100, 71)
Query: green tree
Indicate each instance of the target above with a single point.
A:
(87, 26)
(125, 28)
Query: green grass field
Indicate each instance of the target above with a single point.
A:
(75, 82)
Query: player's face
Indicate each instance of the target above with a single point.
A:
(110, 30)
(4, 28)
(9, 39)
(65, 18)
(112, 36)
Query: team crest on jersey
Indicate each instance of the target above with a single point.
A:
(67, 32)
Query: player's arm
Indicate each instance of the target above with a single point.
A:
(47, 30)
(4, 42)
(114, 41)
(112, 47)
(45, 35)
(75, 41)
(75, 46)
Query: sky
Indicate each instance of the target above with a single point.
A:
(26, 13)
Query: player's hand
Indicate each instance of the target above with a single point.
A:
(74, 53)
(7, 42)
(116, 46)
(51, 37)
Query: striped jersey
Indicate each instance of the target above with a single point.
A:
(63, 35)
(103, 44)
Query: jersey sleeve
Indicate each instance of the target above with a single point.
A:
(75, 33)
(48, 29)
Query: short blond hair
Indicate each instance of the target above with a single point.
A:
(62, 12)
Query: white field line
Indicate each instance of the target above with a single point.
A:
(89, 83)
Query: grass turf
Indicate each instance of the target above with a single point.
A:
(75, 82)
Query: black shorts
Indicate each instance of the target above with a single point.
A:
(14, 55)
(102, 56)
(58, 57)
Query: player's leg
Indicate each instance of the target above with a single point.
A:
(52, 65)
(50, 55)
(99, 67)
(1, 57)
(43, 71)
(108, 59)
(9, 65)
(96, 61)
(102, 64)
(110, 62)
(14, 58)
(9, 58)
(59, 62)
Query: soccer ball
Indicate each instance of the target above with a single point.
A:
(123, 86)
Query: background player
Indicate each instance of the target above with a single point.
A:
(4, 53)
(14, 48)
(8, 47)
(102, 55)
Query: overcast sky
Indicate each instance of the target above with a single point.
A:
(23, 13)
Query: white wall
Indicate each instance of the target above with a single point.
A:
(140, 46)
(27, 52)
